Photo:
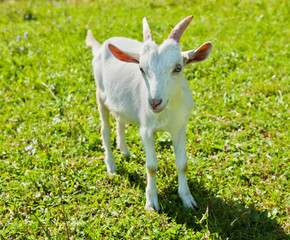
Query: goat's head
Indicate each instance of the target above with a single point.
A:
(161, 65)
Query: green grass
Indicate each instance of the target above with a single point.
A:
(53, 181)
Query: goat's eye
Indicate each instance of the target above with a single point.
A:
(142, 70)
(177, 68)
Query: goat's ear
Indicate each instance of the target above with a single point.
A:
(123, 56)
(197, 55)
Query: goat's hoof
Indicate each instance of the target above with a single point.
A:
(110, 164)
(111, 170)
(196, 208)
(126, 154)
(189, 202)
(150, 207)
(193, 207)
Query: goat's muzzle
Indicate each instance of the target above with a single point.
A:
(155, 105)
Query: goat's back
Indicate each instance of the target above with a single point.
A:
(119, 83)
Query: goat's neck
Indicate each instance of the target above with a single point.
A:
(176, 99)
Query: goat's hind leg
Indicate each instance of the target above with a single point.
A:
(106, 135)
(121, 140)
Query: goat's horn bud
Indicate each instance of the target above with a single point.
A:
(146, 31)
(177, 32)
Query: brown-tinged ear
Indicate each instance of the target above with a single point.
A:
(123, 56)
(197, 55)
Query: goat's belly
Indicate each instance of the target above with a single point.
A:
(122, 110)
(121, 102)
(126, 117)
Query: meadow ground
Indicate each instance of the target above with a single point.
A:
(53, 181)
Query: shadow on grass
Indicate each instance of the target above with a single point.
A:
(227, 219)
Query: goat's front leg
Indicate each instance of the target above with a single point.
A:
(182, 168)
(148, 138)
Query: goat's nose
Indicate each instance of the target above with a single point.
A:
(155, 102)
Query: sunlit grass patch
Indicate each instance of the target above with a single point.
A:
(53, 181)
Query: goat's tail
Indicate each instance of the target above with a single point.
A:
(92, 42)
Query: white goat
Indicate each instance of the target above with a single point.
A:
(143, 83)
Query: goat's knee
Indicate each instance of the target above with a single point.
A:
(151, 170)
(105, 130)
(182, 168)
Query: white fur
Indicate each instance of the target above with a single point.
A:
(124, 91)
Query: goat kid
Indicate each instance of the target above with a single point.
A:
(143, 83)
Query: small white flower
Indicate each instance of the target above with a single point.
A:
(26, 35)
(28, 148)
